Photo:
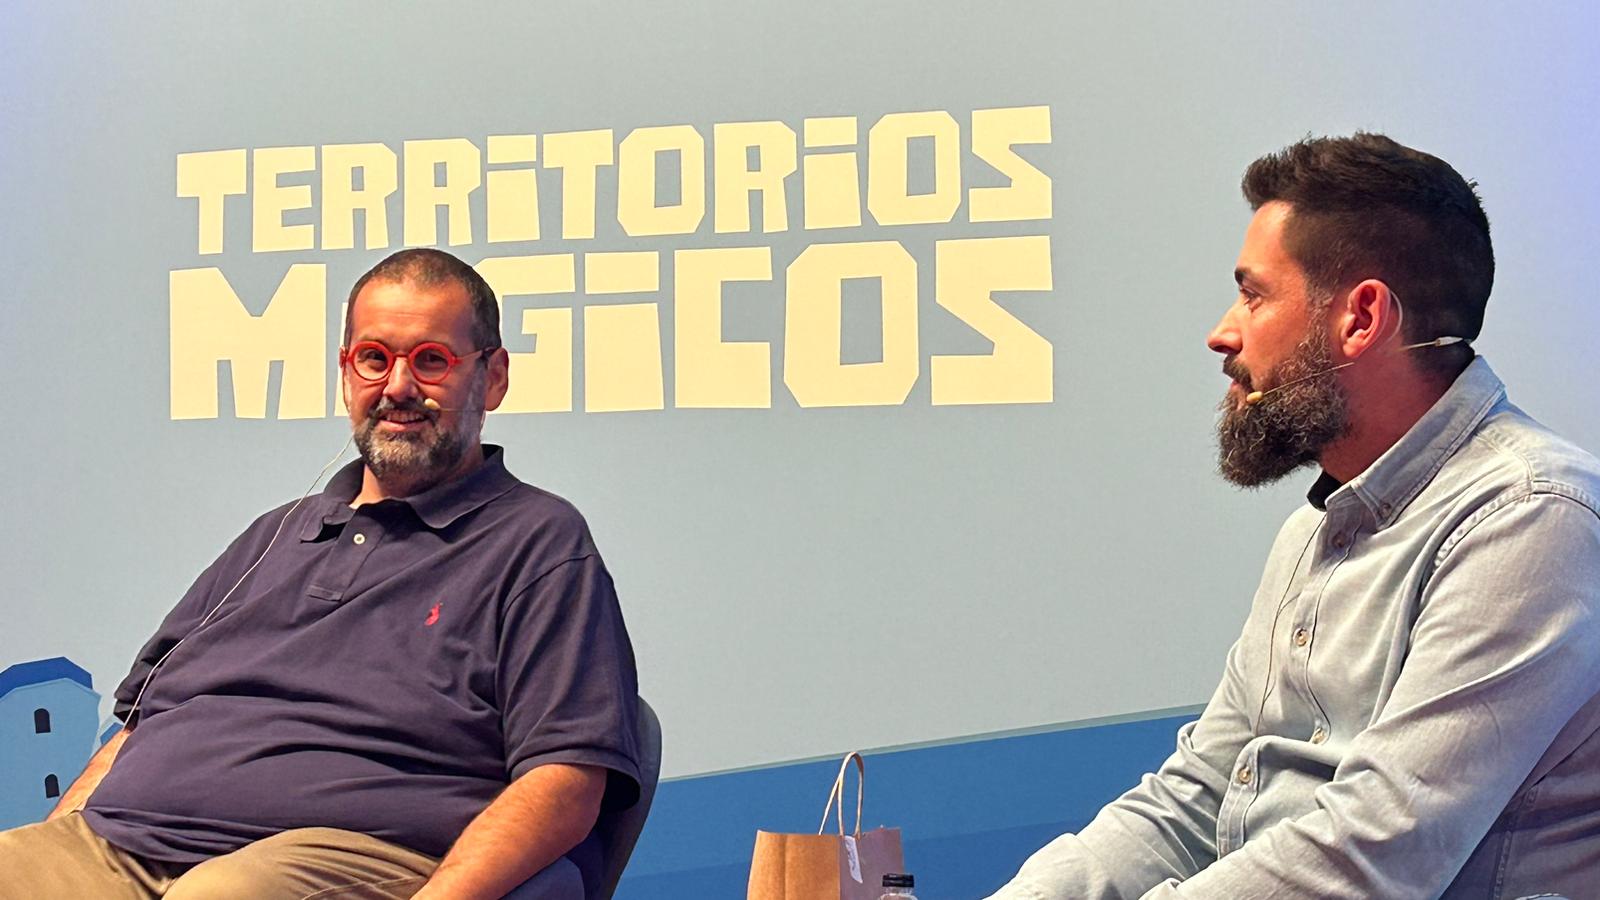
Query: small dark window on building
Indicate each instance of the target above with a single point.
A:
(52, 786)
(41, 721)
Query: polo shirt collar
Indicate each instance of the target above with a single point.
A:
(437, 507)
(1400, 474)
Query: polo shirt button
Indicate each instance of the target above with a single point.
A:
(1319, 735)
(1244, 775)
(359, 538)
(1302, 637)
(1340, 540)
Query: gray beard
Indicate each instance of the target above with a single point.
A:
(1259, 444)
(412, 463)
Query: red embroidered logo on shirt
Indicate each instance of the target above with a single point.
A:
(433, 614)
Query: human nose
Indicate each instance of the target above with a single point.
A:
(401, 381)
(1224, 336)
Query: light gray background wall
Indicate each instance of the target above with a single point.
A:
(796, 580)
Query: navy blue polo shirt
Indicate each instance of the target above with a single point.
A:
(386, 669)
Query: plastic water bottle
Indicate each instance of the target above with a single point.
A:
(897, 886)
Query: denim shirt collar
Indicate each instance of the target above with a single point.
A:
(1400, 474)
(437, 507)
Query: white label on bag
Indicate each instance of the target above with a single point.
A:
(855, 859)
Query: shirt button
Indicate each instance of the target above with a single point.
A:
(359, 538)
(1244, 775)
(1302, 637)
(1319, 735)
(1340, 540)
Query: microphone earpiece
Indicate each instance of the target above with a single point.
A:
(432, 405)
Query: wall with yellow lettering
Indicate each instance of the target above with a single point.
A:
(460, 181)
(868, 337)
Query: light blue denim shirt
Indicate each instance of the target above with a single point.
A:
(1413, 707)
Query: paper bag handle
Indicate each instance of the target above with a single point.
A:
(837, 794)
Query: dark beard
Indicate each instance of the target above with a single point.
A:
(1260, 444)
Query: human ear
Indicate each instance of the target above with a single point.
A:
(499, 378)
(1365, 316)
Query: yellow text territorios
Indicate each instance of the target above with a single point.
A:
(657, 181)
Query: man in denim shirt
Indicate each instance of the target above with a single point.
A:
(1411, 709)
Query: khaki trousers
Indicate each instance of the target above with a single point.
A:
(64, 859)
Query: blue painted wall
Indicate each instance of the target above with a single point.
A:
(1078, 557)
(970, 813)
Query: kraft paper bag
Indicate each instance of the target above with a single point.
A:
(827, 866)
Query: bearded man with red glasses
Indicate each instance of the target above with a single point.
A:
(416, 683)
(391, 326)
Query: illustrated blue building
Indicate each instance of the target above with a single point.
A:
(49, 721)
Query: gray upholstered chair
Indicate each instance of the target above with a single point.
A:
(618, 831)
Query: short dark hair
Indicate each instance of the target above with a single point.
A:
(428, 267)
(1366, 206)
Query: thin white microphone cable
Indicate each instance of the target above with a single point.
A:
(1254, 397)
(133, 711)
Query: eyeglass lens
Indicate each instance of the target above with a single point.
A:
(430, 362)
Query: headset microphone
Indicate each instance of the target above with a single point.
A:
(1254, 397)
(432, 405)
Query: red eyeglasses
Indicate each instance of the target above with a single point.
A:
(430, 361)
